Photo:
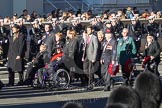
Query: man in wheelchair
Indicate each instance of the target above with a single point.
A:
(48, 71)
(38, 62)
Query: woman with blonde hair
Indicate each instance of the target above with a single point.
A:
(101, 42)
(152, 54)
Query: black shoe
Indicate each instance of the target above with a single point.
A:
(130, 83)
(41, 86)
(20, 83)
(9, 85)
(158, 74)
(90, 87)
(1, 84)
(84, 84)
(107, 89)
(27, 82)
(126, 83)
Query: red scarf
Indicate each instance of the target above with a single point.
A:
(54, 57)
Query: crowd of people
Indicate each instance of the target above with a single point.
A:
(126, 13)
(86, 50)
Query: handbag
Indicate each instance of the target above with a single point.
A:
(113, 69)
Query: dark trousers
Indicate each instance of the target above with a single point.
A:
(12, 76)
(30, 74)
(88, 68)
(41, 75)
(126, 76)
(138, 45)
(5, 47)
(98, 68)
(105, 75)
(154, 68)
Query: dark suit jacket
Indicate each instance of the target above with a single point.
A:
(41, 59)
(71, 48)
(100, 49)
(4, 33)
(50, 41)
(107, 54)
(153, 50)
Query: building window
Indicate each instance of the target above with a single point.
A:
(142, 1)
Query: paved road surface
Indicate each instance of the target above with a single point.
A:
(20, 97)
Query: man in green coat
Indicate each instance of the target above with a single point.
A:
(126, 50)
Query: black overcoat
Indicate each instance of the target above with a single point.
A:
(16, 48)
(153, 50)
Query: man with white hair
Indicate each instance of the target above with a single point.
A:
(126, 50)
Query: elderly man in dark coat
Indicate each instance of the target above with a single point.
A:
(15, 55)
(108, 56)
(38, 62)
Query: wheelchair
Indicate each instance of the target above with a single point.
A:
(150, 66)
(59, 78)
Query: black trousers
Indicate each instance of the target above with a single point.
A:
(88, 69)
(138, 45)
(12, 76)
(156, 69)
(30, 74)
(153, 68)
(5, 47)
(126, 76)
(98, 69)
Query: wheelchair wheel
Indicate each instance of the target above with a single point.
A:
(61, 78)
